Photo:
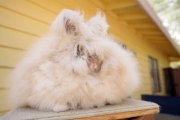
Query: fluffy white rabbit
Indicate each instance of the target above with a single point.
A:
(77, 65)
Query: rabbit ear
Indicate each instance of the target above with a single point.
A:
(98, 24)
(68, 22)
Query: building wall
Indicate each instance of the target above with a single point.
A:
(22, 22)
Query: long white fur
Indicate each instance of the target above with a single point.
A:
(52, 76)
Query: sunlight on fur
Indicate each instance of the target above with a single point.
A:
(76, 66)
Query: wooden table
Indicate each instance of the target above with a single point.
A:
(148, 114)
(131, 109)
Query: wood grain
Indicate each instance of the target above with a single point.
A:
(124, 115)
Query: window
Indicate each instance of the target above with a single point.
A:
(154, 73)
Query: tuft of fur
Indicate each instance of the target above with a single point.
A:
(77, 65)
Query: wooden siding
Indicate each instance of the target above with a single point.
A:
(23, 21)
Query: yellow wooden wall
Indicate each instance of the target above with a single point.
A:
(23, 21)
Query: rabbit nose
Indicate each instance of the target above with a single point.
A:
(80, 50)
(94, 63)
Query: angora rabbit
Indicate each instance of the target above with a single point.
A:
(76, 66)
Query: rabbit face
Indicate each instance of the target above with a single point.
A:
(80, 42)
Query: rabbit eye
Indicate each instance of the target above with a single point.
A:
(80, 50)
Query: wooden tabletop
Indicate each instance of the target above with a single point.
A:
(135, 115)
(129, 108)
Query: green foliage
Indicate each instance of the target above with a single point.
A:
(169, 13)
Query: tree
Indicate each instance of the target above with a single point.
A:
(169, 13)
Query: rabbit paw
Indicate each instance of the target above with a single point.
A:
(60, 108)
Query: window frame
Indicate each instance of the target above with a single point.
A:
(154, 74)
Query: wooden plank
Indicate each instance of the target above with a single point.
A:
(15, 39)
(53, 6)
(155, 37)
(148, 29)
(28, 9)
(143, 21)
(145, 117)
(23, 23)
(142, 25)
(147, 89)
(128, 10)
(134, 16)
(123, 115)
(144, 92)
(162, 42)
(99, 4)
(4, 74)
(10, 57)
(106, 1)
(82, 5)
(174, 59)
(121, 4)
(58, 5)
(4, 101)
(151, 33)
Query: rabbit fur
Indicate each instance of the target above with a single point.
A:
(76, 66)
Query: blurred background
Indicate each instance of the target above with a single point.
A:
(148, 28)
